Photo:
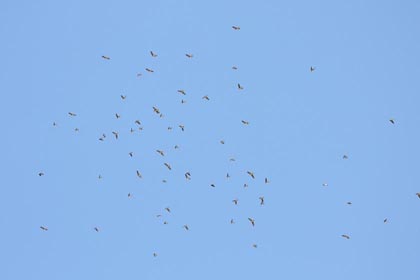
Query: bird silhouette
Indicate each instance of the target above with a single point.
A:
(186, 227)
(245, 122)
(117, 116)
(385, 220)
(168, 166)
(150, 70)
(96, 229)
(123, 97)
(156, 110)
(130, 154)
(206, 97)
(115, 134)
(72, 114)
(182, 127)
(168, 209)
(312, 69)
(160, 152)
(41, 174)
(345, 157)
(235, 27)
(261, 198)
(235, 201)
(266, 181)
(418, 194)
(153, 54)
(345, 236)
(234, 68)
(43, 228)
(187, 175)
(139, 174)
(250, 173)
(181, 91)
(189, 55)
(392, 121)
(106, 57)
(252, 221)
(240, 87)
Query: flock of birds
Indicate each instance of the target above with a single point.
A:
(187, 174)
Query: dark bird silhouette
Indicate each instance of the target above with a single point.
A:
(392, 121)
(418, 194)
(183, 101)
(345, 157)
(160, 152)
(252, 221)
(43, 228)
(168, 209)
(261, 200)
(131, 154)
(212, 185)
(115, 134)
(154, 255)
(206, 97)
(235, 201)
(232, 221)
(181, 91)
(245, 122)
(153, 54)
(139, 174)
(186, 227)
(266, 180)
(117, 116)
(325, 184)
(385, 220)
(182, 127)
(255, 246)
(41, 174)
(149, 70)
(312, 69)
(349, 203)
(72, 114)
(234, 68)
(345, 236)
(227, 176)
(187, 175)
(156, 110)
(189, 55)
(235, 27)
(176, 147)
(168, 166)
(96, 229)
(123, 97)
(106, 57)
(240, 87)
(250, 173)
(137, 122)
(129, 195)
(222, 142)
(54, 124)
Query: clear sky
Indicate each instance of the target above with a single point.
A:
(301, 123)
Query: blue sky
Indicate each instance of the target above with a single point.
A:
(301, 123)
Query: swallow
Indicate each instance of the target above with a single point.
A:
(137, 122)
(250, 173)
(266, 180)
(312, 69)
(43, 228)
(235, 201)
(165, 222)
(129, 195)
(181, 91)
(168, 166)
(160, 152)
(245, 185)
(117, 116)
(176, 147)
(101, 139)
(186, 227)
(130, 154)
(189, 55)
(345, 157)
(76, 129)
(183, 101)
(106, 57)
(168, 210)
(418, 194)
(349, 203)
(234, 68)
(345, 236)
(392, 121)
(115, 134)
(245, 122)
(41, 174)
(386, 220)
(149, 70)
(227, 176)
(96, 229)
(169, 127)
(156, 110)
(325, 184)
(240, 87)
(54, 124)
(153, 54)
(261, 198)
(235, 27)
(123, 97)
(72, 114)
(232, 221)
(163, 181)
(232, 159)
(252, 221)
(212, 185)
(182, 127)
(222, 142)
(206, 97)
(139, 174)
(254, 245)
(132, 130)
(187, 175)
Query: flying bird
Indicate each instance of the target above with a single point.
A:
(156, 110)
(139, 174)
(96, 229)
(123, 97)
(149, 70)
(176, 147)
(386, 220)
(212, 185)
(345, 157)
(345, 236)
(182, 127)
(349, 203)
(137, 122)
(222, 142)
(154, 255)
(254, 245)
(72, 114)
(266, 180)
(240, 87)
(312, 69)
(131, 154)
(187, 175)
(227, 176)
(168, 209)
(206, 97)
(115, 134)
(129, 195)
(245, 122)
(160, 152)
(234, 68)
(41, 174)
(252, 221)
(418, 194)
(235, 27)
(181, 91)
(392, 121)
(235, 201)
(43, 228)
(188, 55)
(168, 166)
(186, 227)
(54, 124)
(325, 184)
(250, 173)
(261, 200)
(117, 116)
(232, 221)
(153, 54)
(106, 57)
(183, 101)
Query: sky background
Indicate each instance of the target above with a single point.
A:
(301, 123)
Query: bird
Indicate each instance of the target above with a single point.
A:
(123, 97)
(153, 54)
(129, 195)
(169, 127)
(168, 209)
(245, 185)
(349, 203)
(235, 27)
(227, 176)
(106, 57)
(206, 97)
(54, 124)
(117, 116)
(156, 110)
(232, 221)
(41, 174)
(163, 181)
(165, 222)
(254, 245)
(139, 174)
(266, 180)
(392, 121)
(131, 154)
(235, 201)
(76, 129)
(149, 70)
(137, 122)
(418, 194)
(252, 221)
(181, 91)
(183, 101)
(250, 173)
(99, 176)
(132, 130)
(182, 127)
(154, 255)
(345, 236)
(312, 69)
(96, 229)
(212, 185)
(139, 75)
(240, 87)
(43, 228)
(101, 139)
(176, 147)
(158, 215)
(160, 152)
(385, 220)
(72, 114)
(115, 134)
(187, 175)
(325, 184)
(168, 166)
(234, 68)
(245, 122)
(189, 55)
(222, 142)
(261, 198)
(186, 227)
(345, 157)
(232, 159)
